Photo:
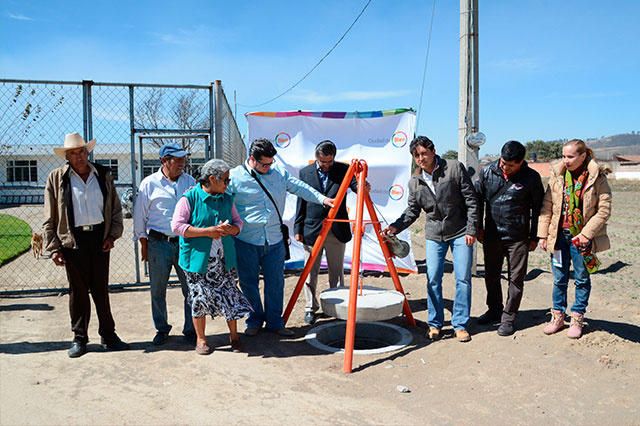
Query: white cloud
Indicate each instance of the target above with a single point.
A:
(20, 17)
(318, 98)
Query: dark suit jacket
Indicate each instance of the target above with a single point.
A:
(309, 216)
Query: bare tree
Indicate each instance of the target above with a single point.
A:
(21, 114)
(148, 115)
(185, 113)
(190, 114)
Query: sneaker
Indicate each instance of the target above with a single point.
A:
(575, 328)
(489, 317)
(433, 333)
(77, 349)
(463, 336)
(556, 324)
(505, 329)
(160, 338)
(310, 318)
(114, 344)
(285, 332)
(252, 330)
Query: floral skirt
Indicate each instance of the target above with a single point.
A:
(215, 293)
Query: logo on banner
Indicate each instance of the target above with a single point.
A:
(399, 139)
(283, 140)
(396, 192)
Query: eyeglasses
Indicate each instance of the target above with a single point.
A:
(226, 181)
(266, 165)
(330, 162)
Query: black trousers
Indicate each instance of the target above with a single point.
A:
(517, 255)
(88, 271)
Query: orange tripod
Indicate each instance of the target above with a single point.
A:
(359, 169)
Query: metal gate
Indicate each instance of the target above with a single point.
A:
(130, 123)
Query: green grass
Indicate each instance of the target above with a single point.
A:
(15, 237)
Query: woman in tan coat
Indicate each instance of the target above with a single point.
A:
(573, 227)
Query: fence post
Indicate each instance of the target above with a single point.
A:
(209, 150)
(218, 120)
(134, 186)
(87, 119)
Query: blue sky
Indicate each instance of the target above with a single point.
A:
(549, 69)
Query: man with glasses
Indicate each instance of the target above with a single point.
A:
(325, 175)
(155, 203)
(260, 244)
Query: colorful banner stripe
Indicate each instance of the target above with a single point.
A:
(331, 114)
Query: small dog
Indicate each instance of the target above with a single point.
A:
(36, 245)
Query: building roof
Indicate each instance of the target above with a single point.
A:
(100, 149)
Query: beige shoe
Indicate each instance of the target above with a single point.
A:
(433, 333)
(463, 335)
(556, 324)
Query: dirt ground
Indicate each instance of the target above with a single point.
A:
(528, 378)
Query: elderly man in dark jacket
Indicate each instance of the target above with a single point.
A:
(512, 193)
(445, 192)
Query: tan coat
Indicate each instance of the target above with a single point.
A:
(57, 227)
(596, 206)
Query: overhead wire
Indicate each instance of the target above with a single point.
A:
(316, 65)
(426, 61)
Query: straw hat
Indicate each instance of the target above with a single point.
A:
(73, 141)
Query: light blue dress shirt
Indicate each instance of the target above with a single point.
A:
(156, 201)
(259, 216)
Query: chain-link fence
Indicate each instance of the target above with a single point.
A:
(130, 122)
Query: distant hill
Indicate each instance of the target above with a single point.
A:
(623, 144)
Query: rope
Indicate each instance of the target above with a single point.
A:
(316, 65)
(426, 61)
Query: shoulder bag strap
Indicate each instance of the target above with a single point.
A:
(253, 174)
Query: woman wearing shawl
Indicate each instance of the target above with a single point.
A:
(573, 227)
(206, 219)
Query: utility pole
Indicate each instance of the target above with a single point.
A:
(469, 138)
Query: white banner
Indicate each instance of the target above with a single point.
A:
(381, 138)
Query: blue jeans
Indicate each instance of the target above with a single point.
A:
(162, 255)
(570, 254)
(462, 259)
(269, 258)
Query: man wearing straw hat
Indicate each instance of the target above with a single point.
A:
(83, 218)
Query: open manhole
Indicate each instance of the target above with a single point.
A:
(371, 337)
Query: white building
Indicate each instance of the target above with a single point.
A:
(24, 171)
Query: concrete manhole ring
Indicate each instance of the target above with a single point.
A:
(371, 337)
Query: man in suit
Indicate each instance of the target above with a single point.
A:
(324, 175)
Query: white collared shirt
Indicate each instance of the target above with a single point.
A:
(156, 202)
(428, 178)
(87, 199)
